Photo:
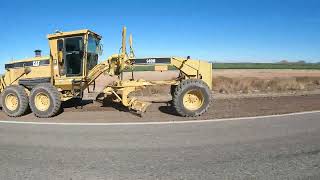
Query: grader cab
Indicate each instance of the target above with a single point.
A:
(43, 82)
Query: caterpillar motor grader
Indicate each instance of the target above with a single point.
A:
(43, 82)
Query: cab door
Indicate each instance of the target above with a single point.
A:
(73, 56)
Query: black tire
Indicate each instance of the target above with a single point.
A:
(54, 97)
(187, 86)
(172, 89)
(20, 93)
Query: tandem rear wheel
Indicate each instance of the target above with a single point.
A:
(45, 100)
(14, 100)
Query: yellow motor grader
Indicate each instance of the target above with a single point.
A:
(43, 82)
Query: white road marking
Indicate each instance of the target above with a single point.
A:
(159, 123)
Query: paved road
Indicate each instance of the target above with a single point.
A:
(269, 148)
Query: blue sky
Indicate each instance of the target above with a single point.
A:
(225, 31)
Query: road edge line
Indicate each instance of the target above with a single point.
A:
(159, 123)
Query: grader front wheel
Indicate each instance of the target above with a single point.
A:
(45, 100)
(14, 101)
(191, 98)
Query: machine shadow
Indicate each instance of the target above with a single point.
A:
(107, 102)
(168, 109)
(75, 103)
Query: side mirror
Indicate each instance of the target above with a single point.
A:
(60, 56)
(100, 49)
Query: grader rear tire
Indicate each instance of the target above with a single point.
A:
(14, 101)
(191, 98)
(45, 100)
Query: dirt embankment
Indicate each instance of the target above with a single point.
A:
(265, 81)
(244, 82)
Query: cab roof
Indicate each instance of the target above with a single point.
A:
(72, 33)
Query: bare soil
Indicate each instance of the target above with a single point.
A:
(221, 108)
(244, 81)
(265, 81)
(265, 73)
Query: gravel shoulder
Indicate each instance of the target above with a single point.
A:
(221, 108)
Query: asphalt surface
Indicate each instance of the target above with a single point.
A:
(267, 148)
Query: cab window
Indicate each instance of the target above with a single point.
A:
(73, 56)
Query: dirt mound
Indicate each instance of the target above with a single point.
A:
(234, 81)
(245, 85)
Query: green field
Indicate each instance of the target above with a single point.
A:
(265, 66)
(245, 66)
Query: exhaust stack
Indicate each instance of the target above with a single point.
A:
(37, 53)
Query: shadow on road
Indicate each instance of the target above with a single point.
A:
(168, 109)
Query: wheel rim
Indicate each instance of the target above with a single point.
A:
(193, 100)
(42, 101)
(11, 102)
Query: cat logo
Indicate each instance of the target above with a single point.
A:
(151, 61)
(36, 63)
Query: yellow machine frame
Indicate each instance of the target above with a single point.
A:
(113, 66)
